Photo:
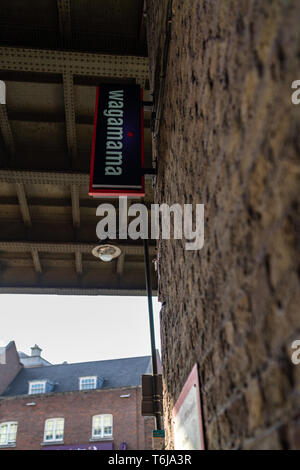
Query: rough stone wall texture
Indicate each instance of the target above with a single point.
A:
(78, 409)
(229, 138)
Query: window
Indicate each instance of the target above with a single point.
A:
(102, 426)
(37, 387)
(54, 429)
(88, 383)
(8, 433)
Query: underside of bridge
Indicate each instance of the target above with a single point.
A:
(53, 54)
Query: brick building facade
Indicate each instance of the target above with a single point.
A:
(10, 366)
(107, 417)
(78, 409)
(229, 139)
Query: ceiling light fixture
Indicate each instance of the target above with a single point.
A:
(106, 252)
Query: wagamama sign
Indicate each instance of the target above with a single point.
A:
(117, 150)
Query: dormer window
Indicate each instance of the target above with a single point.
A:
(40, 386)
(88, 383)
(36, 387)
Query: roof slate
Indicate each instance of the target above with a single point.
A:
(117, 373)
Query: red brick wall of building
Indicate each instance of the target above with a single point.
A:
(9, 370)
(78, 408)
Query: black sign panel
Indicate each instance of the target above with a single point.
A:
(117, 151)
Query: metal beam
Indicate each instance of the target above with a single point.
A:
(142, 26)
(44, 177)
(6, 130)
(64, 19)
(56, 263)
(48, 201)
(36, 260)
(120, 264)
(20, 247)
(23, 203)
(40, 117)
(44, 77)
(75, 205)
(25, 116)
(54, 177)
(81, 63)
(70, 113)
(71, 291)
(78, 262)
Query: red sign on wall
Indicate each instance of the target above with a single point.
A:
(187, 416)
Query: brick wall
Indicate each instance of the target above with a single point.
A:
(229, 138)
(78, 408)
(9, 370)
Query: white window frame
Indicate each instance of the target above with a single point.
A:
(8, 442)
(35, 382)
(102, 435)
(54, 430)
(81, 379)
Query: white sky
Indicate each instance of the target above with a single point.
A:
(78, 328)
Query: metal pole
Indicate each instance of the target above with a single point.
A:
(152, 331)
